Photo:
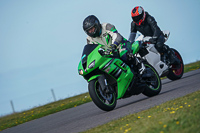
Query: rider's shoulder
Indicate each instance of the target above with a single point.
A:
(107, 26)
(149, 17)
(133, 24)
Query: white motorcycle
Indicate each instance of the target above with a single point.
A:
(160, 62)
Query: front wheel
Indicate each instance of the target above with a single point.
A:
(176, 71)
(153, 83)
(104, 101)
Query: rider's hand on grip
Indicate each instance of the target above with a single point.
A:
(153, 40)
(113, 47)
(149, 40)
(104, 52)
(101, 51)
(146, 40)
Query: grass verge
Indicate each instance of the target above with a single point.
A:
(38, 112)
(192, 66)
(35, 113)
(176, 116)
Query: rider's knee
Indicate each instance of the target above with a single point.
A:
(159, 46)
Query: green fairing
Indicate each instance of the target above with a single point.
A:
(93, 77)
(109, 78)
(123, 79)
(122, 53)
(135, 47)
(92, 56)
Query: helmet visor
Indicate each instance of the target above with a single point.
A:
(137, 18)
(92, 30)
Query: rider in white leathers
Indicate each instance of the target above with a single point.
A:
(107, 35)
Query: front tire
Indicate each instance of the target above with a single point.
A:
(106, 102)
(176, 72)
(153, 83)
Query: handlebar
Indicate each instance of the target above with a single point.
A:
(108, 52)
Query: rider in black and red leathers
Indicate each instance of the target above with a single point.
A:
(147, 25)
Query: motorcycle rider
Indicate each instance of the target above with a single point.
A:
(147, 25)
(107, 35)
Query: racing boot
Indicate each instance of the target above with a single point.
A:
(142, 70)
(173, 59)
(135, 63)
(141, 67)
(171, 55)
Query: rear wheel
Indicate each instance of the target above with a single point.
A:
(176, 71)
(104, 101)
(153, 83)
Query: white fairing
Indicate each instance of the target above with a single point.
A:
(153, 57)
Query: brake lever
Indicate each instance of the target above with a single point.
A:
(101, 51)
(104, 52)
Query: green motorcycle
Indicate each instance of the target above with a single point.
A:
(110, 78)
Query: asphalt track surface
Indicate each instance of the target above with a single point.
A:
(87, 116)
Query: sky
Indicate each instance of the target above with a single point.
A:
(41, 42)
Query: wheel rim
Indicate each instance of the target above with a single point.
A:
(176, 69)
(107, 99)
(153, 82)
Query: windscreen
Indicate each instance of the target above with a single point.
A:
(88, 49)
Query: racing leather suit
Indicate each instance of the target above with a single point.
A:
(149, 28)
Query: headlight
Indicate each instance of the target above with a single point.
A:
(92, 64)
(81, 72)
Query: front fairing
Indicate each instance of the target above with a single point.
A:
(114, 67)
(135, 47)
(91, 59)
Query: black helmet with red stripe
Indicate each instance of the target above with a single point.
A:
(138, 15)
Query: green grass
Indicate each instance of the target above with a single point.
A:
(22, 117)
(176, 116)
(35, 113)
(192, 66)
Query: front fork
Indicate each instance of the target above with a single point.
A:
(104, 84)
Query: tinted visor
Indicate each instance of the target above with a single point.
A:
(138, 18)
(92, 32)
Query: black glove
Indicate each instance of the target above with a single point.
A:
(153, 40)
(113, 46)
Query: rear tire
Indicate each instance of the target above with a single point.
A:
(106, 102)
(175, 73)
(153, 84)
